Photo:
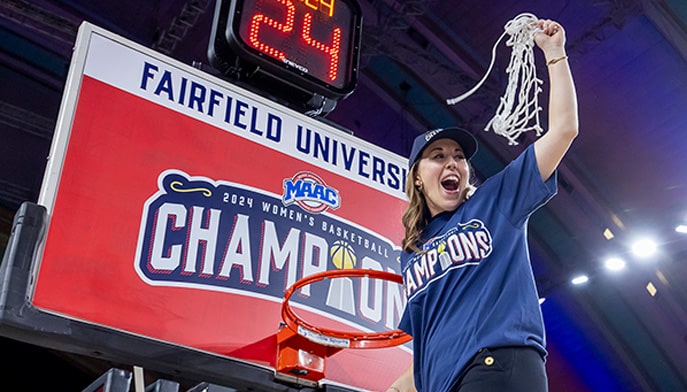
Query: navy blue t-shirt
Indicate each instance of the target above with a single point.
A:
(473, 287)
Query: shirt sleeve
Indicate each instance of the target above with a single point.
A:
(520, 188)
(405, 325)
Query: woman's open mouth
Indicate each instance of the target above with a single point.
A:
(451, 183)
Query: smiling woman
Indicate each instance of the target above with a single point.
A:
(489, 288)
(444, 189)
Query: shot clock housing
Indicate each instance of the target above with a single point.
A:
(302, 53)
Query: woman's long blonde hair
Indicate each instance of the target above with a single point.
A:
(417, 216)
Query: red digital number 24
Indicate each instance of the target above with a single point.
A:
(286, 27)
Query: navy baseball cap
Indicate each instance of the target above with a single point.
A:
(467, 142)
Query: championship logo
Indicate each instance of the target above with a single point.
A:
(310, 192)
(204, 234)
(467, 244)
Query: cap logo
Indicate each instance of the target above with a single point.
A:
(430, 134)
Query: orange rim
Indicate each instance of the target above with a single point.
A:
(336, 338)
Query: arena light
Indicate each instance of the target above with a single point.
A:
(579, 280)
(614, 264)
(651, 289)
(644, 248)
(681, 229)
(608, 234)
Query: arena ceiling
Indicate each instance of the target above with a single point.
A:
(625, 174)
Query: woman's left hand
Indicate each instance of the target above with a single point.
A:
(551, 39)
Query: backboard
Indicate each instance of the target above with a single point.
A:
(175, 210)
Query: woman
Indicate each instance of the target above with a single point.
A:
(473, 307)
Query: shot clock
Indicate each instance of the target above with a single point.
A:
(309, 45)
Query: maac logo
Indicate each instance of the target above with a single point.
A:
(310, 192)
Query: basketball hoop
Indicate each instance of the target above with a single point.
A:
(334, 338)
(302, 347)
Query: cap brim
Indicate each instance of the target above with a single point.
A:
(467, 142)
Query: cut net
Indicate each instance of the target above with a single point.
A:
(517, 108)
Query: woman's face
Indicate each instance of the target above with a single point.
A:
(443, 174)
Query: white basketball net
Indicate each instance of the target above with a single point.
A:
(517, 109)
